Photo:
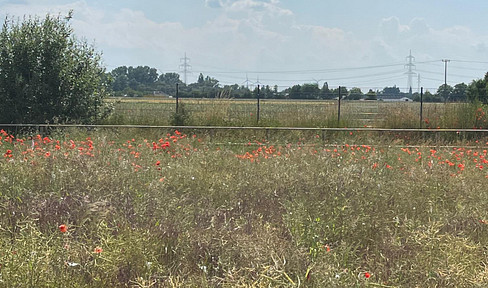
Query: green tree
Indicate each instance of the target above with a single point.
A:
(295, 92)
(444, 92)
(310, 91)
(47, 75)
(427, 97)
(325, 92)
(120, 78)
(459, 93)
(477, 90)
(371, 95)
(355, 94)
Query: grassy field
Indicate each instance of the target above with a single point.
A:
(131, 209)
(292, 113)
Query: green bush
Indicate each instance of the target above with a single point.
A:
(47, 75)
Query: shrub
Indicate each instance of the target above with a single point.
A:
(47, 75)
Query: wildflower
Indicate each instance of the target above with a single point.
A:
(63, 228)
(327, 248)
(98, 250)
(367, 275)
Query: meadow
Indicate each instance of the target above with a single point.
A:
(295, 113)
(166, 208)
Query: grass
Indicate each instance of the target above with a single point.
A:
(177, 210)
(293, 113)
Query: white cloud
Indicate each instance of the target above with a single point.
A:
(252, 35)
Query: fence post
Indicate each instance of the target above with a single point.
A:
(421, 105)
(257, 114)
(176, 98)
(339, 107)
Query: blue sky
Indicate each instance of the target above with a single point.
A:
(353, 43)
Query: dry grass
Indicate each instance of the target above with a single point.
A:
(191, 214)
(225, 111)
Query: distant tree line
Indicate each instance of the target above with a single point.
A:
(143, 80)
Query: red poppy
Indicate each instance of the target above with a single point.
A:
(367, 275)
(97, 250)
(158, 162)
(63, 228)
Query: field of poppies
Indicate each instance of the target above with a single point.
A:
(174, 209)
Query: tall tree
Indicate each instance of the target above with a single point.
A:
(47, 75)
(371, 95)
(355, 94)
(444, 92)
(477, 90)
(459, 93)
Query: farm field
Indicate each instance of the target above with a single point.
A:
(118, 208)
(294, 113)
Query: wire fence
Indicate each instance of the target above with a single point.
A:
(295, 113)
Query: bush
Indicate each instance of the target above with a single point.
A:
(47, 75)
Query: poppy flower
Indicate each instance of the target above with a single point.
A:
(97, 250)
(367, 275)
(63, 228)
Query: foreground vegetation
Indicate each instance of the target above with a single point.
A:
(117, 209)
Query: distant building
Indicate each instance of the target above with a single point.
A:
(402, 99)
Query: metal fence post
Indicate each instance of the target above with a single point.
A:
(257, 114)
(421, 105)
(176, 98)
(339, 107)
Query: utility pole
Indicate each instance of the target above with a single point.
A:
(185, 67)
(410, 66)
(445, 78)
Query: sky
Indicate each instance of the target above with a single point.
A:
(352, 43)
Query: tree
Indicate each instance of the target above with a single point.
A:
(444, 92)
(47, 75)
(310, 91)
(459, 92)
(295, 92)
(391, 93)
(355, 94)
(325, 92)
(427, 97)
(477, 90)
(371, 95)
(120, 78)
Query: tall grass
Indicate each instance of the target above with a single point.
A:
(173, 210)
(225, 111)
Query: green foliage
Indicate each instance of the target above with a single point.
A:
(478, 90)
(371, 95)
(47, 75)
(354, 94)
(181, 116)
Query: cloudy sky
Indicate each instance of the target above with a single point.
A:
(353, 43)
